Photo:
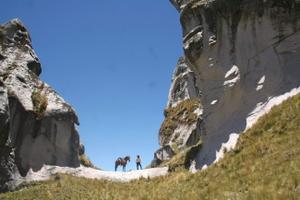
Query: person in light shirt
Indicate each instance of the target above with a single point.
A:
(138, 162)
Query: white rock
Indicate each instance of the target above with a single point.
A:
(260, 83)
(234, 71)
(263, 108)
(234, 75)
(214, 102)
(229, 145)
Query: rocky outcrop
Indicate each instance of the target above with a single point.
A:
(37, 126)
(242, 53)
(183, 115)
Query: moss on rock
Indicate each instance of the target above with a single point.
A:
(183, 113)
(40, 102)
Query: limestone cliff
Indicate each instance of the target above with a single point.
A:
(183, 114)
(37, 126)
(242, 53)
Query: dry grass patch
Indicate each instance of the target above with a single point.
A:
(39, 102)
(85, 161)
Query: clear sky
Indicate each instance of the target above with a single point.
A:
(112, 61)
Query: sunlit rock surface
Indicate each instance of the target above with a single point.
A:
(183, 114)
(242, 53)
(37, 126)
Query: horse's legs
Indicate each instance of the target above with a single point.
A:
(124, 167)
(116, 167)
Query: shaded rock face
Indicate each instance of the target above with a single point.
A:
(37, 126)
(183, 115)
(242, 52)
(165, 153)
(183, 85)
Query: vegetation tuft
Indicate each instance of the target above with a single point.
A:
(1, 35)
(183, 113)
(85, 161)
(40, 102)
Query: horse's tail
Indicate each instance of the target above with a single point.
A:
(116, 166)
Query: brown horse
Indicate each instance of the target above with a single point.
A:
(122, 161)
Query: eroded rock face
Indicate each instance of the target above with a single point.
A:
(183, 115)
(242, 52)
(37, 126)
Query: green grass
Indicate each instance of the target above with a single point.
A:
(265, 165)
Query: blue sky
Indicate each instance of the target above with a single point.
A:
(112, 61)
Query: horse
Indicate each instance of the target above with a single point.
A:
(122, 161)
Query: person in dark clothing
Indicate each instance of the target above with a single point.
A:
(138, 162)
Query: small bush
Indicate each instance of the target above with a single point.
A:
(40, 103)
(85, 161)
(1, 35)
(183, 113)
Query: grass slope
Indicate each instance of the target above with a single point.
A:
(265, 165)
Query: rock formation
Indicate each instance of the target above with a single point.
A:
(242, 53)
(183, 115)
(37, 126)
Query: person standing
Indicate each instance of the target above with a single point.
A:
(138, 162)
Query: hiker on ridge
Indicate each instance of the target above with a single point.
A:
(138, 162)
